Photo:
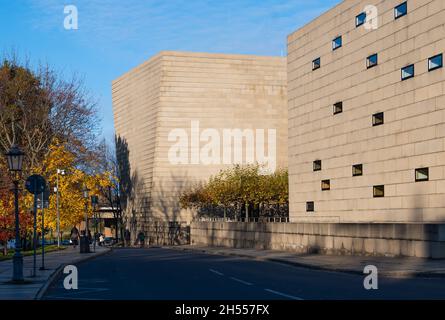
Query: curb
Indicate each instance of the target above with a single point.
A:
(390, 274)
(55, 275)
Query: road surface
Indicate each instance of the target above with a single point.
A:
(165, 274)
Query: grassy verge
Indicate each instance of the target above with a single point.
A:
(49, 248)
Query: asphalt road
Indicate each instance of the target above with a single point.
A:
(164, 274)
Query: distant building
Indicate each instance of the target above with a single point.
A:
(181, 117)
(367, 113)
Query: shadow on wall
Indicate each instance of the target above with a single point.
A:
(135, 201)
(239, 235)
(429, 232)
(169, 223)
(159, 221)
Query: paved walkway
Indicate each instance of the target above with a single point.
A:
(399, 267)
(53, 261)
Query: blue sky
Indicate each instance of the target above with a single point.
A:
(116, 35)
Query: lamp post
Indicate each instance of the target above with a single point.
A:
(94, 202)
(86, 195)
(84, 241)
(15, 161)
(61, 172)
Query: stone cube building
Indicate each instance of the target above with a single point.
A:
(181, 117)
(366, 89)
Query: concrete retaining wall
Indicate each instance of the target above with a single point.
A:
(415, 240)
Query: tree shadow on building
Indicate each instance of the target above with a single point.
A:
(170, 222)
(135, 201)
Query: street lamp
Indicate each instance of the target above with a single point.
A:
(84, 241)
(86, 195)
(15, 161)
(61, 172)
(94, 202)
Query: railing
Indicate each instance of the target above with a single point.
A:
(257, 220)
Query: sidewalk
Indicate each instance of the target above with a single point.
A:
(394, 267)
(53, 262)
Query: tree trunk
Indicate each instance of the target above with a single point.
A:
(247, 212)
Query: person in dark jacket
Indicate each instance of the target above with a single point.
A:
(141, 238)
(74, 236)
(90, 238)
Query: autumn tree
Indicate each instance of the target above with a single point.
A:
(37, 107)
(6, 218)
(7, 215)
(54, 121)
(71, 201)
(241, 189)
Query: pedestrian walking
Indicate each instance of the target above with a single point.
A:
(127, 237)
(141, 237)
(90, 238)
(74, 236)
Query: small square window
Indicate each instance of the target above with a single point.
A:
(326, 185)
(310, 206)
(379, 191)
(338, 107)
(360, 19)
(337, 43)
(422, 174)
(401, 10)
(357, 170)
(408, 72)
(378, 119)
(372, 61)
(316, 64)
(435, 62)
(317, 165)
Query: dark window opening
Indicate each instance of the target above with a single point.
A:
(337, 43)
(360, 19)
(317, 165)
(372, 61)
(401, 10)
(378, 119)
(326, 185)
(435, 62)
(357, 170)
(408, 72)
(338, 107)
(310, 206)
(379, 191)
(422, 174)
(316, 64)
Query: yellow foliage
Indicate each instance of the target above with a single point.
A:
(71, 200)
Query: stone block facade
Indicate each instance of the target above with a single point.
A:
(198, 95)
(412, 135)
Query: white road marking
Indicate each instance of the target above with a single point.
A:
(242, 281)
(217, 272)
(283, 295)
